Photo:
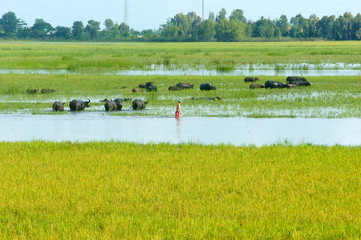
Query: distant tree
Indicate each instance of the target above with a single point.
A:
(211, 16)
(109, 24)
(62, 32)
(78, 29)
(238, 15)
(325, 26)
(124, 30)
(356, 27)
(10, 23)
(92, 28)
(283, 25)
(221, 15)
(23, 33)
(264, 28)
(207, 30)
(41, 29)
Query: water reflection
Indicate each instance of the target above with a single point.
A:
(236, 131)
(250, 70)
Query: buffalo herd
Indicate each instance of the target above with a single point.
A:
(77, 105)
(291, 82)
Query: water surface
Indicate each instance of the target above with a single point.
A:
(236, 131)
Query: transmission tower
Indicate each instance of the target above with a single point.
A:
(203, 9)
(126, 11)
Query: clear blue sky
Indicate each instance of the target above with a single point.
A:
(150, 14)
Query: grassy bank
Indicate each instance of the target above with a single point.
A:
(121, 190)
(327, 97)
(220, 56)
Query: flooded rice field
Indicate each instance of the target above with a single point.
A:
(89, 126)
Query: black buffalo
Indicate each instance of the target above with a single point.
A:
(251, 79)
(298, 81)
(253, 86)
(184, 85)
(78, 105)
(207, 87)
(275, 84)
(151, 88)
(58, 106)
(174, 88)
(139, 104)
(207, 98)
(32, 91)
(112, 105)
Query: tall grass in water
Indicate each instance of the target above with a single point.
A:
(326, 96)
(122, 190)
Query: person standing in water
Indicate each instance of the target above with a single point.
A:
(178, 112)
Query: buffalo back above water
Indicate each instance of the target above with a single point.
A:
(58, 106)
(251, 79)
(207, 87)
(151, 88)
(184, 85)
(119, 103)
(253, 86)
(138, 104)
(174, 88)
(78, 105)
(298, 81)
(275, 84)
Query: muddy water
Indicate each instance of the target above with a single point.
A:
(235, 131)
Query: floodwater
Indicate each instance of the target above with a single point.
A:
(85, 126)
(303, 69)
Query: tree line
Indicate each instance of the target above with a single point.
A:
(191, 28)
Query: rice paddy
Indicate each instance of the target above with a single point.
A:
(221, 56)
(121, 190)
(113, 190)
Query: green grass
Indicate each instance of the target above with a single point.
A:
(122, 190)
(121, 56)
(334, 97)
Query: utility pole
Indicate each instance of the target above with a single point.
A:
(203, 9)
(126, 11)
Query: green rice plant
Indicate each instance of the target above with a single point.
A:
(109, 190)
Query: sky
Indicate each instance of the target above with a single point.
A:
(150, 14)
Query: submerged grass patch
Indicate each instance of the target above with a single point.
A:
(327, 97)
(123, 190)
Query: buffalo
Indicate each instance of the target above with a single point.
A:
(139, 104)
(207, 98)
(58, 106)
(298, 81)
(137, 90)
(78, 105)
(174, 88)
(47, 90)
(32, 91)
(275, 84)
(251, 79)
(112, 105)
(207, 87)
(184, 85)
(150, 87)
(253, 86)
(141, 86)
